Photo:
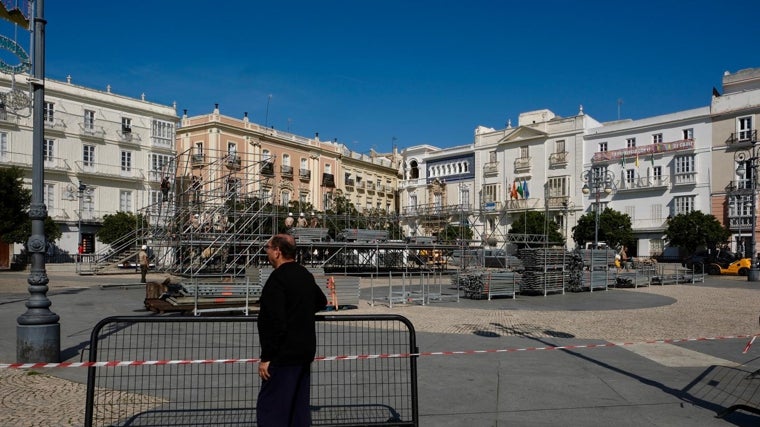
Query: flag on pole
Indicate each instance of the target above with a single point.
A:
(622, 161)
(519, 189)
(525, 189)
(513, 192)
(651, 159)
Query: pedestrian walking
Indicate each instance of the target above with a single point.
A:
(287, 335)
(142, 260)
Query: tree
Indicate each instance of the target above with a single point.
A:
(614, 228)
(115, 226)
(15, 224)
(695, 229)
(16, 200)
(534, 222)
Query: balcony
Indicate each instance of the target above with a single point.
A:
(558, 160)
(349, 183)
(286, 171)
(644, 183)
(8, 120)
(411, 183)
(646, 151)
(304, 175)
(380, 189)
(91, 131)
(491, 169)
(740, 222)
(361, 185)
(521, 205)
(371, 187)
(491, 206)
(233, 162)
(743, 137)
(557, 202)
(54, 125)
(109, 170)
(198, 160)
(685, 178)
(328, 180)
(522, 164)
(267, 168)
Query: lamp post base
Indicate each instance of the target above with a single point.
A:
(753, 275)
(38, 343)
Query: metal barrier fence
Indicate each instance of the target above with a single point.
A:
(354, 391)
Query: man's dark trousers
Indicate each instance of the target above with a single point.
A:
(274, 407)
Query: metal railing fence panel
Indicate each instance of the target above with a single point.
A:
(202, 371)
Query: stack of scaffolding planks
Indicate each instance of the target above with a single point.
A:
(596, 266)
(488, 283)
(544, 270)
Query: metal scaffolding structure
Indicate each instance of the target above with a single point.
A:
(213, 214)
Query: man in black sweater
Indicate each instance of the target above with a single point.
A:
(287, 336)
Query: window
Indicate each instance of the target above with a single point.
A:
(657, 175)
(744, 128)
(492, 156)
(198, 148)
(48, 196)
(159, 166)
(304, 163)
(285, 198)
(48, 112)
(162, 133)
(684, 164)
(125, 201)
(602, 147)
(559, 146)
(630, 142)
(126, 125)
(437, 202)
(231, 149)
(630, 176)
(328, 168)
(464, 196)
(266, 195)
(558, 186)
(656, 247)
(88, 204)
(327, 199)
(88, 156)
(48, 150)
(234, 186)
(414, 171)
(657, 138)
(683, 204)
(413, 201)
(656, 212)
(126, 162)
(3, 145)
(266, 155)
(630, 210)
(524, 152)
(490, 193)
(688, 133)
(89, 120)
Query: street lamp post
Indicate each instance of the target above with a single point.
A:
(38, 333)
(597, 181)
(748, 163)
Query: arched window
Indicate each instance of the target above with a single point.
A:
(414, 171)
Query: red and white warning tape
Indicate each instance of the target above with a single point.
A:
(122, 363)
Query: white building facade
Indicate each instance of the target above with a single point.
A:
(661, 168)
(102, 153)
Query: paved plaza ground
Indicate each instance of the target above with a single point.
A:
(635, 383)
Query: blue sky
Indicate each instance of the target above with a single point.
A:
(424, 72)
